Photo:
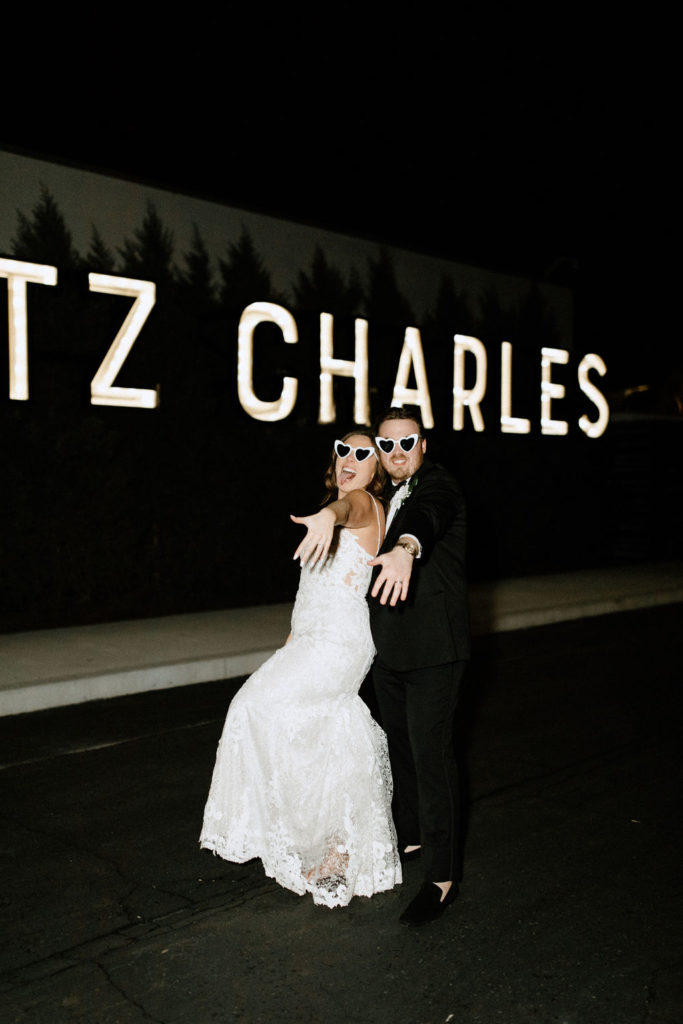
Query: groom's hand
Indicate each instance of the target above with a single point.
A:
(394, 578)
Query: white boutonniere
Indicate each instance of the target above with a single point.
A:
(403, 493)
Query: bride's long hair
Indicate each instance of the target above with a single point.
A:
(376, 485)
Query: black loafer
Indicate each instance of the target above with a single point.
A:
(406, 856)
(428, 905)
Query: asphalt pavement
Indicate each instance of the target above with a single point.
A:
(569, 911)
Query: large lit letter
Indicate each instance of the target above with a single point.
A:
(509, 424)
(550, 390)
(471, 398)
(18, 274)
(593, 362)
(101, 390)
(412, 355)
(254, 314)
(358, 369)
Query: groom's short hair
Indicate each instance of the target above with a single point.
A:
(402, 412)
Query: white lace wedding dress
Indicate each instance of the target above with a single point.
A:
(302, 777)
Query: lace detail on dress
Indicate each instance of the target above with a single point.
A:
(302, 777)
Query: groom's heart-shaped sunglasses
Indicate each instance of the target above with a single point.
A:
(360, 454)
(406, 444)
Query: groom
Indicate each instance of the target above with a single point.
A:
(419, 619)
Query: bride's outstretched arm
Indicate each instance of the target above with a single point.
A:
(352, 510)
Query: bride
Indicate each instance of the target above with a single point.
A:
(302, 778)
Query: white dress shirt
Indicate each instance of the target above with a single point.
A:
(398, 497)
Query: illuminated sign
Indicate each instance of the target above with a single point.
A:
(258, 313)
(104, 392)
(356, 368)
(412, 357)
(18, 275)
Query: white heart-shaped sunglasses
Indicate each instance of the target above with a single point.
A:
(406, 444)
(360, 454)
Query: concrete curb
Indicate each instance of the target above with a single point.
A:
(51, 668)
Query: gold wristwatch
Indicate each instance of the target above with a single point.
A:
(410, 546)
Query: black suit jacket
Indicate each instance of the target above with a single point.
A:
(431, 627)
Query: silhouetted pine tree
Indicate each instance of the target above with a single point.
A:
(535, 323)
(150, 254)
(160, 355)
(206, 375)
(197, 280)
(453, 312)
(244, 276)
(452, 315)
(324, 289)
(388, 314)
(43, 237)
(384, 302)
(497, 322)
(100, 259)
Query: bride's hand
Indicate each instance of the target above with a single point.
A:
(319, 533)
(393, 580)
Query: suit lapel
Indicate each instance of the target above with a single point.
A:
(394, 531)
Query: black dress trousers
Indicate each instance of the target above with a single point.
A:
(417, 708)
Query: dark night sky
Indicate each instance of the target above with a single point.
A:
(498, 138)
(465, 140)
(492, 134)
(492, 195)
